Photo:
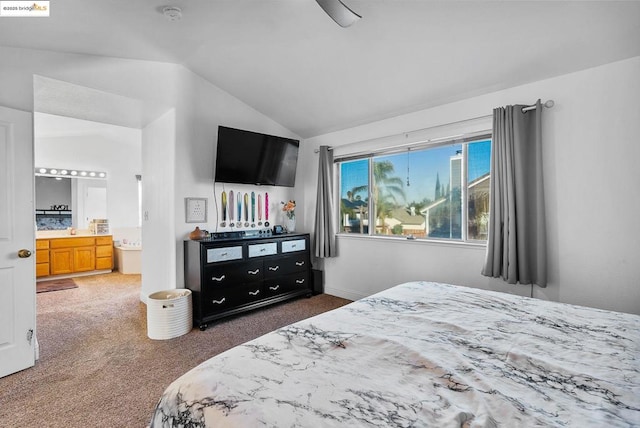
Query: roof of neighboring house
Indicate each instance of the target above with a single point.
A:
(406, 218)
(354, 204)
(433, 205)
(480, 180)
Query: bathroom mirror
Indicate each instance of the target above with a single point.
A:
(63, 202)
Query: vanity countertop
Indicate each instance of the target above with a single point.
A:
(55, 234)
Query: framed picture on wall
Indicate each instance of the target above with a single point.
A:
(195, 210)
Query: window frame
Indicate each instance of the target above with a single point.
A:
(464, 140)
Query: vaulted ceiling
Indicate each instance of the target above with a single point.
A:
(290, 61)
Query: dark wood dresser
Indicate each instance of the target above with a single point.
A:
(231, 275)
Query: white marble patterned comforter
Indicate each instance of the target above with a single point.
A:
(423, 355)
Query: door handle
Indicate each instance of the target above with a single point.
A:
(24, 254)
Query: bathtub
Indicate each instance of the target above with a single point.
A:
(128, 258)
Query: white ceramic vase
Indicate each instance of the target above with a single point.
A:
(290, 223)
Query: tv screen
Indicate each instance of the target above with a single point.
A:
(252, 158)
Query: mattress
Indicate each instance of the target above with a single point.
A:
(423, 354)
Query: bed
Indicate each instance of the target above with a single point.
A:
(423, 354)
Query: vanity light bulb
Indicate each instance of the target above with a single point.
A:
(74, 172)
(53, 171)
(83, 173)
(102, 175)
(92, 174)
(42, 170)
(64, 172)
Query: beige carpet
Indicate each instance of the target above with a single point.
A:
(97, 367)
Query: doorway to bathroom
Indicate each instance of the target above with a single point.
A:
(88, 167)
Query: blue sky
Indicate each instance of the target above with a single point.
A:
(424, 166)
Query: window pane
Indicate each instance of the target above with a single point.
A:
(419, 193)
(354, 196)
(388, 194)
(479, 162)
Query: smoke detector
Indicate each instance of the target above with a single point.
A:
(172, 13)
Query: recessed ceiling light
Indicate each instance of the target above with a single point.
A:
(172, 13)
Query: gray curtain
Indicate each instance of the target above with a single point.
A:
(516, 245)
(325, 229)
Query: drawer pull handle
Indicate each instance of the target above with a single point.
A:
(218, 278)
(254, 293)
(299, 281)
(253, 272)
(293, 246)
(274, 268)
(299, 263)
(262, 250)
(225, 254)
(219, 302)
(274, 288)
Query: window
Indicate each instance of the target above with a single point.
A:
(435, 191)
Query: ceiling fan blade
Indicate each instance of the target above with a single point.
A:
(339, 12)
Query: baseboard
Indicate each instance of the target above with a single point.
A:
(345, 294)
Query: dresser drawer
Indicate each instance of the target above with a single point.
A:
(104, 263)
(104, 251)
(223, 299)
(71, 242)
(104, 240)
(233, 273)
(42, 244)
(285, 265)
(42, 256)
(260, 250)
(294, 245)
(42, 269)
(286, 283)
(224, 254)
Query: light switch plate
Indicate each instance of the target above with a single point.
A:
(195, 210)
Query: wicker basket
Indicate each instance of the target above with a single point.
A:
(169, 314)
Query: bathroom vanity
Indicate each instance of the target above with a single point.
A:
(71, 254)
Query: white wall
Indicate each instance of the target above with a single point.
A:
(203, 108)
(70, 143)
(199, 108)
(591, 153)
(158, 152)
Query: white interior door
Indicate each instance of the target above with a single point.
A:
(17, 239)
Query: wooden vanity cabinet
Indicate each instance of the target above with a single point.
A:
(104, 252)
(42, 257)
(71, 255)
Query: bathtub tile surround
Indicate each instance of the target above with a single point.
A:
(128, 258)
(127, 244)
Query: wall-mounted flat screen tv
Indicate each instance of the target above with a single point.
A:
(252, 158)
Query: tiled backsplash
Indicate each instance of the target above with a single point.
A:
(53, 222)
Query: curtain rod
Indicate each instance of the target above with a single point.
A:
(547, 104)
(415, 131)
